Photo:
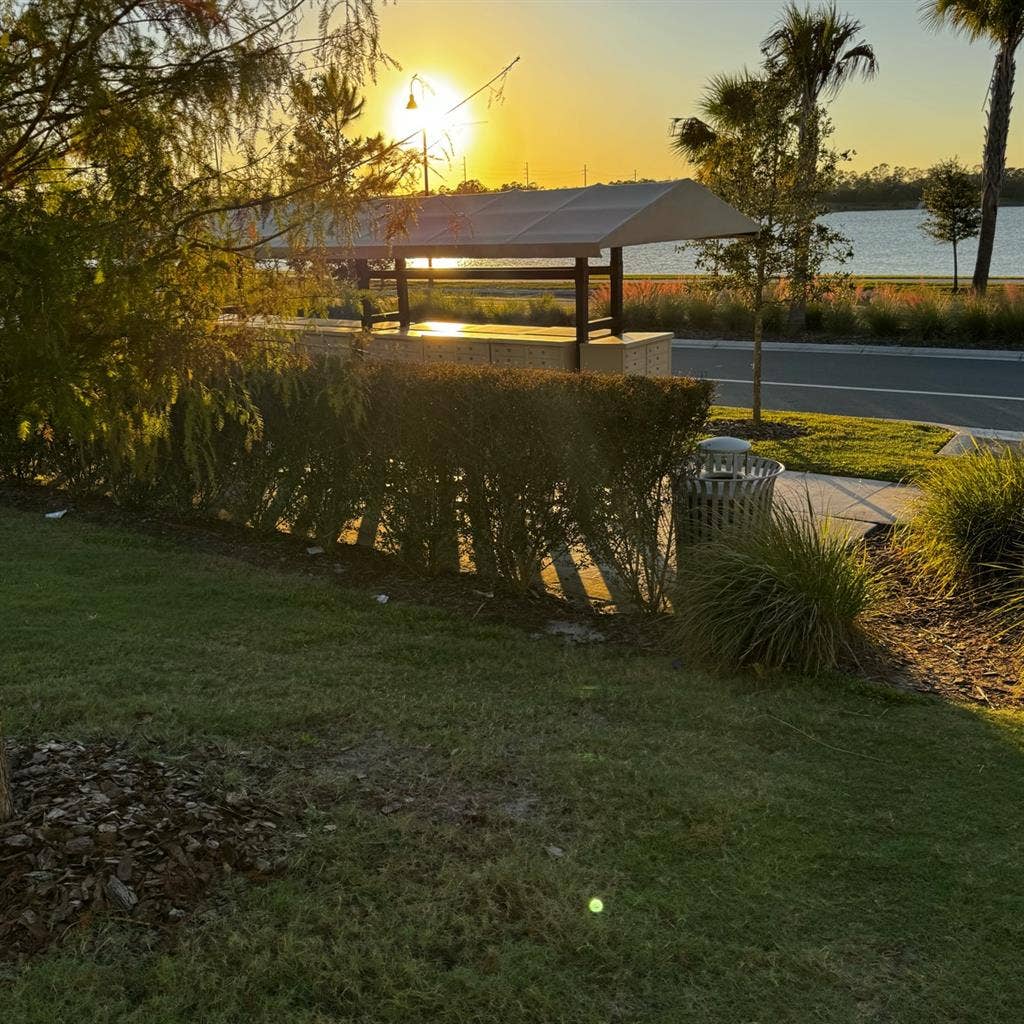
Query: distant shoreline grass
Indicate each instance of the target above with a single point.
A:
(886, 311)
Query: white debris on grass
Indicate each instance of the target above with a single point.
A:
(575, 632)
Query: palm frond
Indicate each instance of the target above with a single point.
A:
(691, 137)
(1002, 21)
(818, 50)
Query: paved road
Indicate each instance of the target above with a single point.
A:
(963, 389)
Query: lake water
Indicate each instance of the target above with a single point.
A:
(885, 242)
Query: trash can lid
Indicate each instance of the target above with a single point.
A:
(725, 446)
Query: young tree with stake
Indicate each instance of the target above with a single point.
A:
(746, 148)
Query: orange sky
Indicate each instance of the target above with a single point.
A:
(599, 81)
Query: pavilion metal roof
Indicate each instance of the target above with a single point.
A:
(530, 223)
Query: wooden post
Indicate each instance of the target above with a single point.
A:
(615, 291)
(582, 300)
(363, 282)
(402, 287)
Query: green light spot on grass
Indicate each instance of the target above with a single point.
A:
(596, 905)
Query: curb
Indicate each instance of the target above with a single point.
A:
(842, 348)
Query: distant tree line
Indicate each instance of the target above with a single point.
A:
(885, 187)
(474, 186)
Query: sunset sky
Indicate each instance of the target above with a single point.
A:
(599, 81)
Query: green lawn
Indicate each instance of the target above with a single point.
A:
(850, 445)
(765, 851)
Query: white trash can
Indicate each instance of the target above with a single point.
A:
(723, 487)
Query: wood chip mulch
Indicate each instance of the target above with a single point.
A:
(98, 829)
(946, 646)
(765, 431)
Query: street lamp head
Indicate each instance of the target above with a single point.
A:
(412, 104)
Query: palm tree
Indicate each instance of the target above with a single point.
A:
(1002, 22)
(816, 51)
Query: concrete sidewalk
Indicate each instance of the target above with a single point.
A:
(858, 504)
(855, 505)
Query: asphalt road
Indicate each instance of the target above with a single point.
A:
(962, 390)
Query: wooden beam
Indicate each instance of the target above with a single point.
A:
(402, 287)
(489, 273)
(604, 324)
(582, 300)
(615, 291)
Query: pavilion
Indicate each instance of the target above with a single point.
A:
(524, 226)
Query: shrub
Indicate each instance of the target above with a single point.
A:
(815, 315)
(1009, 605)
(1007, 316)
(625, 513)
(972, 321)
(647, 305)
(925, 315)
(881, 315)
(409, 465)
(789, 595)
(700, 312)
(774, 317)
(734, 315)
(498, 446)
(839, 318)
(506, 466)
(968, 525)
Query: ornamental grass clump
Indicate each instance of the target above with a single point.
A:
(882, 315)
(1007, 316)
(789, 595)
(973, 321)
(926, 315)
(700, 311)
(967, 528)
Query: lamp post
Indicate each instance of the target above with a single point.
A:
(413, 105)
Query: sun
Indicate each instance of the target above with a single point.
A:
(446, 133)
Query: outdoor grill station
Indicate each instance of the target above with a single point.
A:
(525, 227)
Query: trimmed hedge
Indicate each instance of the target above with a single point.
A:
(500, 466)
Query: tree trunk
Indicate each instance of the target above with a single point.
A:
(6, 799)
(755, 403)
(994, 161)
(956, 274)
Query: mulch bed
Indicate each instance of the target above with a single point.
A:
(765, 431)
(946, 646)
(100, 830)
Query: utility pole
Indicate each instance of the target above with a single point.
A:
(527, 173)
(463, 170)
(634, 174)
(584, 175)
